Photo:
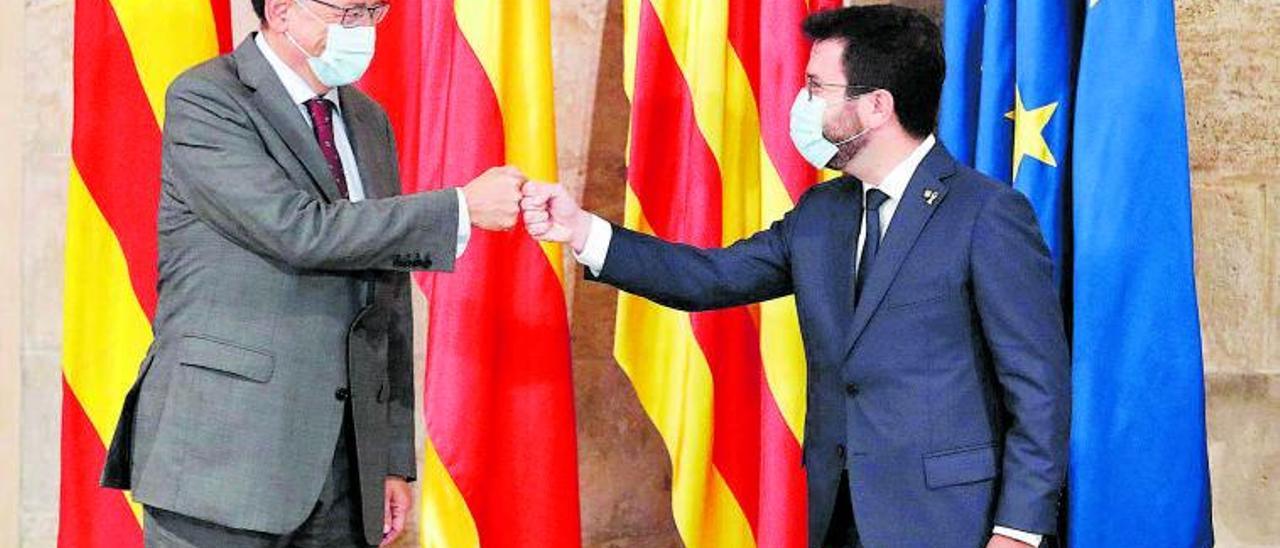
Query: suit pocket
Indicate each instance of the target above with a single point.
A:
(960, 466)
(215, 354)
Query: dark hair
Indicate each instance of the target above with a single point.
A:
(260, 8)
(892, 48)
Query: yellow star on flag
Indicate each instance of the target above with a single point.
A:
(1028, 132)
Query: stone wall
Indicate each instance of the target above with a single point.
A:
(1232, 72)
(1232, 76)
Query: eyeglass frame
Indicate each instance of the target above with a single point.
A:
(375, 13)
(812, 85)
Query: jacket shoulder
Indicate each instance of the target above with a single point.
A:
(970, 186)
(217, 76)
(826, 190)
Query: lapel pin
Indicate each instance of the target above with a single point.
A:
(930, 196)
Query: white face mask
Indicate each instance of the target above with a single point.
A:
(806, 130)
(347, 53)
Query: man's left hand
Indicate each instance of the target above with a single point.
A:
(397, 503)
(999, 541)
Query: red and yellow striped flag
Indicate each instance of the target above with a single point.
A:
(711, 85)
(126, 54)
(467, 85)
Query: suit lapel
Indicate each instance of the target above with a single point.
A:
(274, 102)
(845, 224)
(831, 239)
(908, 222)
(362, 132)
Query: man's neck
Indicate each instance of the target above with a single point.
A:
(296, 61)
(877, 160)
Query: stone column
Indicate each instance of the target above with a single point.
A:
(11, 92)
(39, 222)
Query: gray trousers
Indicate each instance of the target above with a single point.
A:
(334, 522)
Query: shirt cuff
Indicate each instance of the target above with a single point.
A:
(1020, 536)
(464, 223)
(596, 248)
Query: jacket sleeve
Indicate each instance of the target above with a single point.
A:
(1022, 323)
(688, 278)
(215, 163)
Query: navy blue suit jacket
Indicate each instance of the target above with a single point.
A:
(945, 392)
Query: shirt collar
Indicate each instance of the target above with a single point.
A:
(895, 183)
(297, 88)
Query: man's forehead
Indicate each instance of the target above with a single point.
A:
(826, 56)
(831, 47)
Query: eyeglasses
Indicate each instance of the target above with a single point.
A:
(851, 90)
(361, 15)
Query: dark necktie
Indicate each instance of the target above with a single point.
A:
(875, 199)
(321, 111)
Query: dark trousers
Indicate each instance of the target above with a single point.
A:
(843, 531)
(335, 520)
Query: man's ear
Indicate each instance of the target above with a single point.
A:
(882, 106)
(277, 13)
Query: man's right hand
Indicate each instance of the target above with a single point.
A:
(493, 198)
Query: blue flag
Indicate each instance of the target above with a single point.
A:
(1090, 126)
(1139, 470)
(1007, 103)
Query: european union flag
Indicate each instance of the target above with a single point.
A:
(1007, 102)
(1080, 106)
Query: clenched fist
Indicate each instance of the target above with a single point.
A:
(552, 215)
(493, 198)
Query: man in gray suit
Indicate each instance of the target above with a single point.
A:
(276, 405)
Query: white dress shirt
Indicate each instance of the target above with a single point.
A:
(301, 92)
(596, 249)
(893, 185)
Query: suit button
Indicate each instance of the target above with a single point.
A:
(851, 389)
(342, 394)
(840, 450)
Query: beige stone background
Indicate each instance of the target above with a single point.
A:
(1232, 72)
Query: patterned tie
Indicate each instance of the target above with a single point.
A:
(321, 111)
(875, 199)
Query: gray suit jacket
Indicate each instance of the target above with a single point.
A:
(273, 296)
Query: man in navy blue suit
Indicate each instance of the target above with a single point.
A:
(939, 381)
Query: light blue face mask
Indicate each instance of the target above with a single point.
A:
(347, 53)
(806, 131)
